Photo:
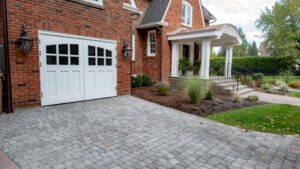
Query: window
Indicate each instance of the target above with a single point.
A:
(187, 14)
(96, 2)
(152, 43)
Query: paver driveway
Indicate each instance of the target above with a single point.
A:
(127, 132)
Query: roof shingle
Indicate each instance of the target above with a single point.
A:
(155, 11)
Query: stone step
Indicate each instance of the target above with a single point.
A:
(227, 84)
(234, 87)
(224, 81)
(245, 91)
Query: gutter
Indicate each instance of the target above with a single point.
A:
(6, 55)
(151, 25)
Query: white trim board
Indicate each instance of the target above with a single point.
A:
(75, 36)
(163, 19)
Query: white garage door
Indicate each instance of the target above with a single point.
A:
(76, 68)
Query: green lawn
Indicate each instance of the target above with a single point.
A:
(273, 118)
(294, 94)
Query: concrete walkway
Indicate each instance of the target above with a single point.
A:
(272, 98)
(130, 133)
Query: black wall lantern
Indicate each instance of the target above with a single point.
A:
(25, 41)
(127, 51)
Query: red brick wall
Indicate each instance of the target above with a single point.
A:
(152, 64)
(66, 17)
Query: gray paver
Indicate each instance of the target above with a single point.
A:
(126, 132)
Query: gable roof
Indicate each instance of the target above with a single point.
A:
(208, 15)
(155, 12)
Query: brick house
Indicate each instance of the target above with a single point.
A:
(78, 49)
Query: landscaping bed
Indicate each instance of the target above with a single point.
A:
(178, 99)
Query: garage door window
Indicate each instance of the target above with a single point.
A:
(63, 54)
(100, 54)
(92, 55)
(108, 58)
(74, 54)
(51, 54)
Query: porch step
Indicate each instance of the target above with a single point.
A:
(226, 84)
(219, 81)
(230, 84)
(245, 91)
(234, 87)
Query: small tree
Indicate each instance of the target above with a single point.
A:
(280, 25)
(253, 51)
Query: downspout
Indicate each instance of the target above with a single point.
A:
(161, 52)
(6, 55)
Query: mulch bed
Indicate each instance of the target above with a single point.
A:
(177, 99)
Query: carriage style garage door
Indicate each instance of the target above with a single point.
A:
(76, 68)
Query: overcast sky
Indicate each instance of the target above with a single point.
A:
(241, 13)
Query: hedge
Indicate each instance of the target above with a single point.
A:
(258, 64)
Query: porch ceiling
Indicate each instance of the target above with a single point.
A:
(224, 34)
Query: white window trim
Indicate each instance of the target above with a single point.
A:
(132, 7)
(100, 2)
(148, 44)
(188, 4)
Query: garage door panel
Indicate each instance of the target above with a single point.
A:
(90, 78)
(109, 82)
(51, 83)
(63, 82)
(75, 79)
(100, 79)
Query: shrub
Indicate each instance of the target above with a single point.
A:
(137, 81)
(140, 81)
(253, 98)
(272, 91)
(196, 89)
(185, 65)
(267, 86)
(282, 85)
(294, 84)
(237, 97)
(258, 78)
(162, 89)
(287, 75)
(146, 81)
(209, 95)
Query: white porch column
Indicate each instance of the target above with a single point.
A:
(192, 48)
(228, 62)
(175, 60)
(205, 60)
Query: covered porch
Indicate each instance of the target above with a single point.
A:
(195, 46)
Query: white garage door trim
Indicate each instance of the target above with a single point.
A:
(79, 77)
